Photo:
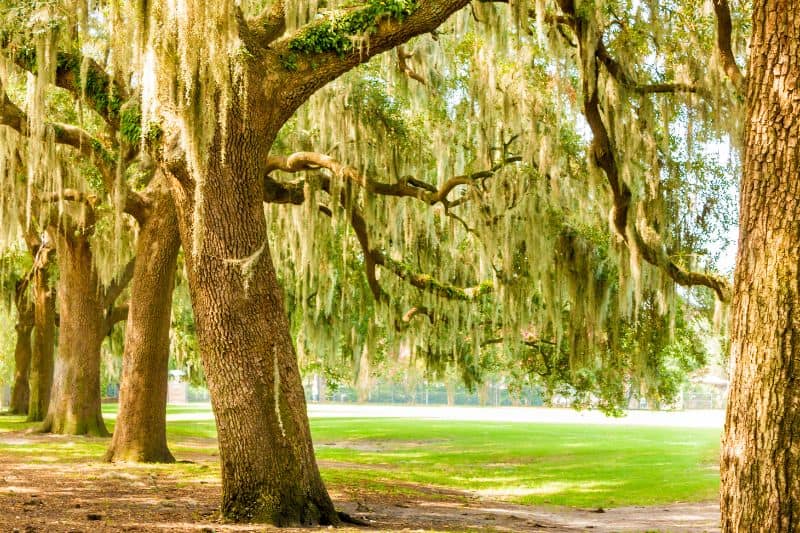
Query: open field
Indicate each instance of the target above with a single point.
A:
(396, 472)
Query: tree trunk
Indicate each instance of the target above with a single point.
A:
(451, 392)
(363, 380)
(269, 472)
(140, 434)
(44, 332)
(22, 360)
(760, 462)
(75, 401)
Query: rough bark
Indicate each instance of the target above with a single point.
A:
(269, 472)
(44, 331)
(140, 432)
(760, 462)
(22, 360)
(75, 400)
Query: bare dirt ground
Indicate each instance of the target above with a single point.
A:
(81, 495)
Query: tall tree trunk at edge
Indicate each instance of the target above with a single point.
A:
(140, 434)
(44, 332)
(760, 462)
(75, 399)
(269, 472)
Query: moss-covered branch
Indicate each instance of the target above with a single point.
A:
(409, 188)
(724, 30)
(104, 95)
(324, 49)
(84, 143)
(605, 155)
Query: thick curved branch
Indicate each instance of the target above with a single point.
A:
(408, 188)
(268, 25)
(359, 226)
(115, 316)
(724, 31)
(605, 157)
(374, 257)
(119, 283)
(652, 250)
(104, 95)
(79, 139)
(312, 67)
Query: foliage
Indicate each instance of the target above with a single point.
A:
(340, 33)
(517, 269)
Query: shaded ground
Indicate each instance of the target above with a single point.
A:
(45, 488)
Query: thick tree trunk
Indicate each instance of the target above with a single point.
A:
(269, 472)
(760, 461)
(75, 400)
(140, 434)
(44, 332)
(22, 360)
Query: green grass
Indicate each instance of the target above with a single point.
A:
(579, 466)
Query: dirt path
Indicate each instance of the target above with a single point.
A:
(47, 494)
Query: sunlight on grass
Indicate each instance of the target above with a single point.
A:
(546, 489)
(579, 466)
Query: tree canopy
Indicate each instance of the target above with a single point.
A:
(544, 184)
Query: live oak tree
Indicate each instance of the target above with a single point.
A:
(760, 458)
(14, 283)
(240, 67)
(105, 155)
(237, 80)
(224, 107)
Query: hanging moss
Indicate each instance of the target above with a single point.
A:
(338, 33)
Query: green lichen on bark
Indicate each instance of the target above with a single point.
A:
(338, 33)
(428, 283)
(131, 124)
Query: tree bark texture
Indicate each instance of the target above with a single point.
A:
(269, 472)
(140, 433)
(760, 462)
(22, 360)
(44, 332)
(75, 400)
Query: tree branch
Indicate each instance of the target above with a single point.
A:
(79, 139)
(617, 71)
(405, 68)
(408, 188)
(269, 24)
(115, 316)
(119, 283)
(724, 30)
(374, 257)
(104, 95)
(605, 157)
(325, 49)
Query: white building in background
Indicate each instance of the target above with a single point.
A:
(177, 389)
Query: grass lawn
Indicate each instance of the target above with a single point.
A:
(579, 466)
